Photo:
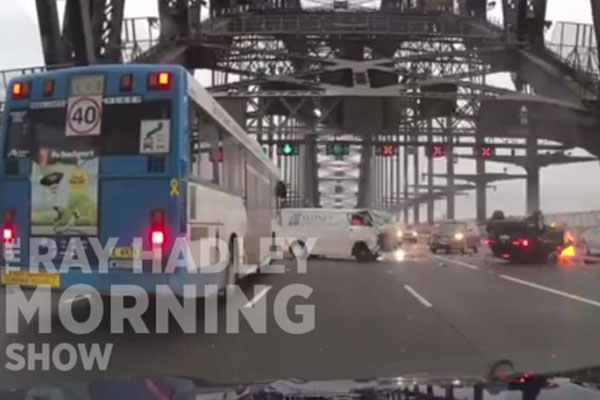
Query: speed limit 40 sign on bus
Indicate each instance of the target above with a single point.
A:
(84, 116)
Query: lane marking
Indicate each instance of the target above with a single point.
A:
(417, 296)
(461, 263)
(257, 298)
(550, 290)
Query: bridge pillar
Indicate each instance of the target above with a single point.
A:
(405, 179)
(310, 171)
(596, 22)
(430, 172)
(533, 175)
(417, 204)
(533, 189)
(480, 184)
(450, 205)
(398, 181)
(365, 180)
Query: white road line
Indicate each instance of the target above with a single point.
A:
(256, 298)
(417, 296)
(550, 290)
(461, 263)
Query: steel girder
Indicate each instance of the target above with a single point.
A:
(91, 31)
(524, 20)
(358, 25)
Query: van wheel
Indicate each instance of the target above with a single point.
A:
(362, 253)
(298, 249)
(475, 250)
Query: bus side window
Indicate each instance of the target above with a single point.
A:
(204, 145)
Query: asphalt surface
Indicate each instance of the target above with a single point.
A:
(409, 313)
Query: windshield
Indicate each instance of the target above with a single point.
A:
(35, 129)
(242, 191)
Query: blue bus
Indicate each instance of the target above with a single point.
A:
(126, 152)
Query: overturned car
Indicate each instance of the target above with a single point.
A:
(526, 239)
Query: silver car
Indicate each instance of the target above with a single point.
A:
(590, 241)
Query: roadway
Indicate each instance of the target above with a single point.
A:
(410, 313)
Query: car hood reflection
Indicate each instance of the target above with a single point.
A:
(181, 388)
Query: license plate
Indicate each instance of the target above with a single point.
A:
(30, 278)
(124, 252)
(504, 237)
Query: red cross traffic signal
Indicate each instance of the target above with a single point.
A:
(486, 151)
(436, 151)
(386, 150)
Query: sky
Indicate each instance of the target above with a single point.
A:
(562, 187)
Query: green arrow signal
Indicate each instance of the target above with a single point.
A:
(287, 149)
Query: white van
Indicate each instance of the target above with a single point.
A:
(339, 233)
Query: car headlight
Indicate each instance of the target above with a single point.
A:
(399, 233)
(459, 236)
(414, 233)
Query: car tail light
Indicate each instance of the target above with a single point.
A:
(521, 242)
(157, 230)
(126, 84)
(21, 90)
(159, 80)
(9, 228)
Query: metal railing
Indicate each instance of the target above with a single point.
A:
(139, 35)
(575, 45)
(331, 23)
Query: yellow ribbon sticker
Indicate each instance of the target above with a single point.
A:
(174, 187)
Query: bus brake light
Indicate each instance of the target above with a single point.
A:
(157, 233)
(159, 81)
(49, 88)
(21, 90)
(158, 237)
(126, 83)
(8, 231)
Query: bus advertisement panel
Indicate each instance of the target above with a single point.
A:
(64, 193)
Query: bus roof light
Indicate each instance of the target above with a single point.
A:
(126, 83)
(21, 90)
(159, 81)
(49, 88)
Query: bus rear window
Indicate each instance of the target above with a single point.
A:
(121, 128)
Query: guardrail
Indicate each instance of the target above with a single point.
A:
(575, 45)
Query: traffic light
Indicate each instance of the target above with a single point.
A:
(287, 149)
(387, 150)
(485, 151)
(337, 149)
(436, 151)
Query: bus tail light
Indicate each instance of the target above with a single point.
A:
(9, 228)
(159, 80)
(49, 88)
(157, 231)
(21, 90)
(126, 84)
(158, 237)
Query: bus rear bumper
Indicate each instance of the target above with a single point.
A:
(116, 281)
